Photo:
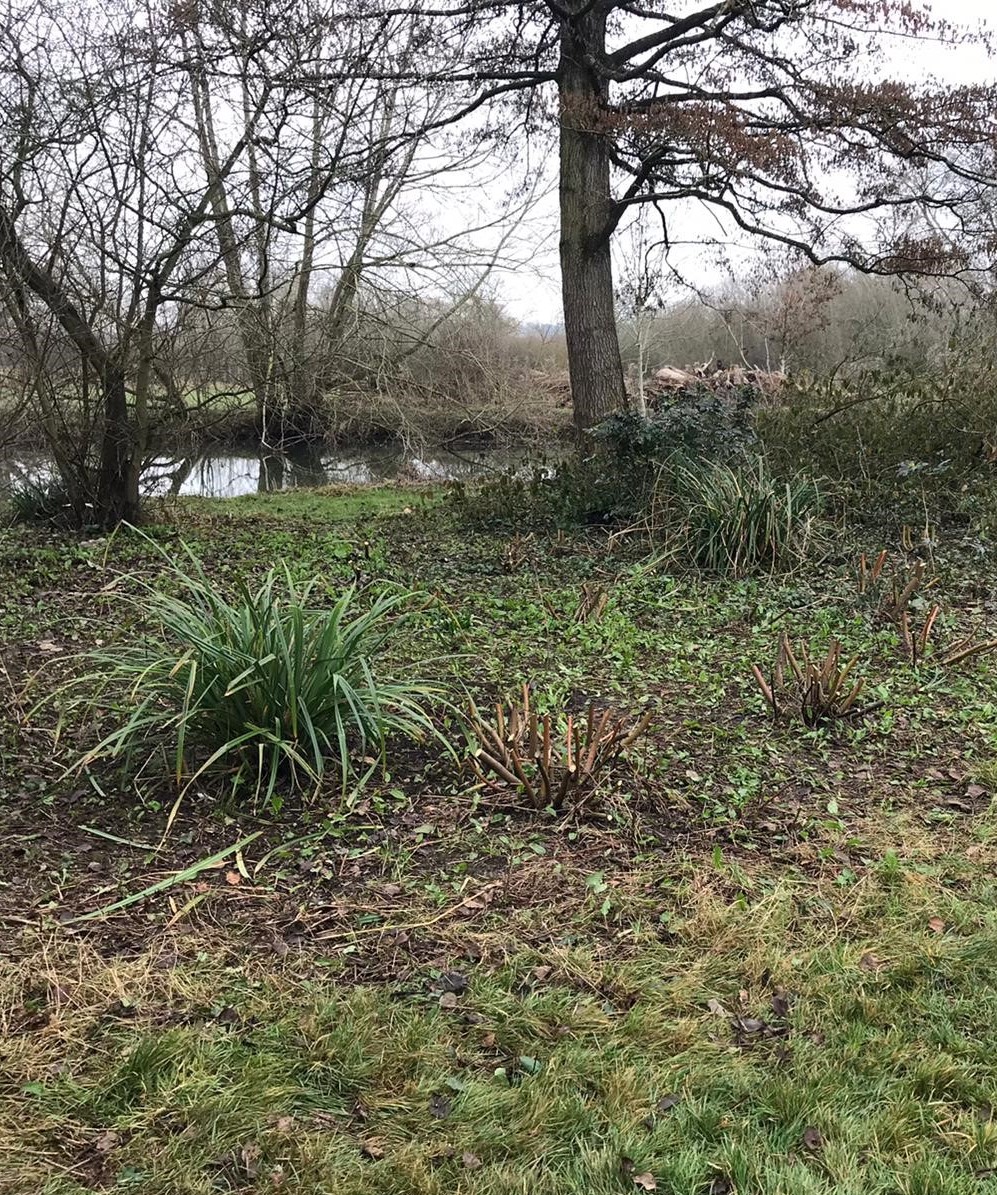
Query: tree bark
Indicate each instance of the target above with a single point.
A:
(594, 362)
(115, 497)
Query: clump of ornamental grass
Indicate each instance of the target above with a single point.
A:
(266, 685)
(735, 519)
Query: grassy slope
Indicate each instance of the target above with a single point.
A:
(792, 932)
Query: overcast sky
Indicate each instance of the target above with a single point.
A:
(530, 289)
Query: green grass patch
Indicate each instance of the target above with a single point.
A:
(772, 1044)
(332, 505)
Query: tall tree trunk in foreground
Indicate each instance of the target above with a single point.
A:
(594, 361)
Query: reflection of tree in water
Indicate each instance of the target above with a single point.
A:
(228, 475)
(305, 467)
(300, 467)
(271, 472)
(163, 477)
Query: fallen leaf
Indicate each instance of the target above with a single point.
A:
(392, 890)
(454, 981)
(106, 1141)
(448, 1001)
(233, 878)
(250, 1155)
(48, 645)
(975, 791)
(750, 1024)
(471, 1161)
(668, 1102)
(812, 1138)
(936, 925)
(645, 1181)
(780, 1003)
(439, 1106)
(716, 1008)
(541, 973)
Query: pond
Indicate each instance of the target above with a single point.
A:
(230, 474)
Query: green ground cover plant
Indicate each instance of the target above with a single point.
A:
(761, 962)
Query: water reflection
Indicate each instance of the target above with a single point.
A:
(229, 475)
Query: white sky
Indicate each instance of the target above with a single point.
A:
(530, 285)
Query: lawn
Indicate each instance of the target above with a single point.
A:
(759, 959)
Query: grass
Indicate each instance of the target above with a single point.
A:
(739, 519)
(761, 963)
(264, 684)
(333, 505)
(767, 1044)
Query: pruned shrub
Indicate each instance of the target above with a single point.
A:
(900, 601)
(815, 689)
(552, 762)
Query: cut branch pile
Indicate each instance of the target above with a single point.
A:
(549, 765)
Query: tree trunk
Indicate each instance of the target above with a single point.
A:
(115, 498)
(594, 361)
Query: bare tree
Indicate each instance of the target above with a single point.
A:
(639, 296)
(103, 223)
(782, 118)
(170, 177)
